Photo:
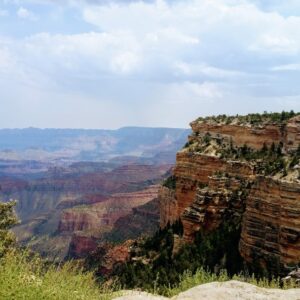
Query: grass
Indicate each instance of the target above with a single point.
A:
(189, 280)
(26, 277)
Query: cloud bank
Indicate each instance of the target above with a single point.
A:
(106, 64)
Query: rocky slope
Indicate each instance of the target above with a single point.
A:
(245, 168)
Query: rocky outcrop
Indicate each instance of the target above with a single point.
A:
(221, 291)
(213, 187)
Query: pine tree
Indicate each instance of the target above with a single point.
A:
(7, 220)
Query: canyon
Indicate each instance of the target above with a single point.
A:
(78, 189)
(83, 208)
(243, 171)
(223, 174)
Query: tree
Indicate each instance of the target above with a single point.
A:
(7, 220)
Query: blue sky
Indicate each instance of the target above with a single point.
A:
(108, 64)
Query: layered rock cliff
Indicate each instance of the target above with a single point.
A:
(243, 167)
(271, 224)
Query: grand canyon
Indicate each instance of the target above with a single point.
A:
(78, 188)
(224, 196)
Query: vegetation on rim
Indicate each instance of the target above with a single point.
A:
(252, 119)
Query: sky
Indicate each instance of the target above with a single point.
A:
(159, 63)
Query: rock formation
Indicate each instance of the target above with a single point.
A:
(244, 168)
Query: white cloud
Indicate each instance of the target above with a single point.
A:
(205, 70)
(288, 67)
(183, 57)
(193, 38)
(24, 13)
(6, 60)
(87, 52)
(207, 91)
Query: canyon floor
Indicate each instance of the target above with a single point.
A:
(231, 290)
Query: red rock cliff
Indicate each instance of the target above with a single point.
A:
(209, 188)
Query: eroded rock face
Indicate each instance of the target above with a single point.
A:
(104, 214)
(271, 224)
(81, 244)
(211, 189)
(212, 205)
(254, 137)
(292, 137)
(168, 206)
(193, 170)
(88, 224)
(115, 255)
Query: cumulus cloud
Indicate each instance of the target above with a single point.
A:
(24, 13)
(183, 57)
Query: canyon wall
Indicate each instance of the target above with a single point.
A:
(240, 135)
(211, 189)
(193, 170)
(254, 136)
(271, 224)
